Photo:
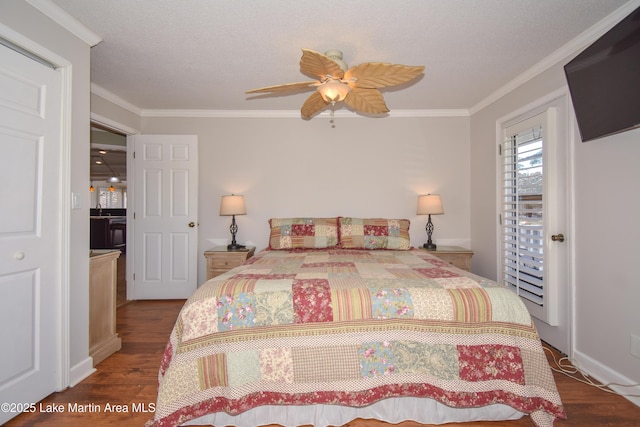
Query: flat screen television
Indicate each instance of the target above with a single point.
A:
(604, 81)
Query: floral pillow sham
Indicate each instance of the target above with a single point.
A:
(374, 233)
(306, 233)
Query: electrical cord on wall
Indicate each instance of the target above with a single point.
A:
(568, 367)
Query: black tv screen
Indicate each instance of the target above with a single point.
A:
(604, 81)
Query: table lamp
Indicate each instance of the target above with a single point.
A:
(231, 206)
(430, 204)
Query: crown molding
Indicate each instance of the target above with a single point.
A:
(457, 112)
(68, 22)
(262, 114)
(115, 99)
(296, 114)
(572, 47)
(221, 113)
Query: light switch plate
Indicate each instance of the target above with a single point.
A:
(76, 201)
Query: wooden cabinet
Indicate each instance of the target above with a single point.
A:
(103, 278)
(455, 255)
(220, 259)
(108, 232)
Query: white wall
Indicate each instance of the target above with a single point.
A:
(24, 19)
(607, 250)
(363, 167)
(605, 243)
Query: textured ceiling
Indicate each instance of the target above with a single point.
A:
(204, 54)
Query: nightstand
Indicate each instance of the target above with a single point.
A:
(455, 255)
(220, 259)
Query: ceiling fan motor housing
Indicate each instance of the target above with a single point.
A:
(336, 55)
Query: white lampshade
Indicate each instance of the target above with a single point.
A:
(430, 204)
(232, 205)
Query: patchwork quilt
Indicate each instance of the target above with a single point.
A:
(352, 327)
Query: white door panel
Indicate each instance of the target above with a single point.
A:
(534, 211)
(30, 261)
(165, 206)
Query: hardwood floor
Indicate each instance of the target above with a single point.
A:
(129, 379)
(121, 287)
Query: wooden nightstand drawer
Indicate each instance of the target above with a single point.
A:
(228, 260)
(454, 255)
(220, 260)
(459, 260)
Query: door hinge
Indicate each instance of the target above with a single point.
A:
(500, 219)
(134, 154)
(499, 149)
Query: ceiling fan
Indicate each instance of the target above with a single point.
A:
(357, 86)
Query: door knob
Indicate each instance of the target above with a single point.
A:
(192, 224)
(558, 237)
(19, 255)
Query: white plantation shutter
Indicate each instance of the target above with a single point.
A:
(523, 214)
(111, 199)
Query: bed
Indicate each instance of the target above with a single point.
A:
(340, 318)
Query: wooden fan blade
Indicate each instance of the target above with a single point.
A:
(316, 64)
(381, 74)
(368, 101)
(285, 87)
(313, 105)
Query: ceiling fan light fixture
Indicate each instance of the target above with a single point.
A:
(333, 90)
(358, 86)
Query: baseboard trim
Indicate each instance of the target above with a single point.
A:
(81, 371)
(606, 375)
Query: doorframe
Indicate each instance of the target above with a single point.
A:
(538, 105)
(63, 324)
(128, 131)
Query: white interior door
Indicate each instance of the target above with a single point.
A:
(165, 196)
(30, 262)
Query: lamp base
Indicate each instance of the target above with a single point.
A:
(235, 247)
(430, 246)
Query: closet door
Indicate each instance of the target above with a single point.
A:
(30, 241)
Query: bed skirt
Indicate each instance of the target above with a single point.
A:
(392, 410)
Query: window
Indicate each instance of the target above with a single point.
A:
(108, 199)
(523, 213)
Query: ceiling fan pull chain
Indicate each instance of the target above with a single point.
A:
(331, 120)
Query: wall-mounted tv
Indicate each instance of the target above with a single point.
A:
(604, 81)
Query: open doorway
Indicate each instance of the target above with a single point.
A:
(108, 197)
